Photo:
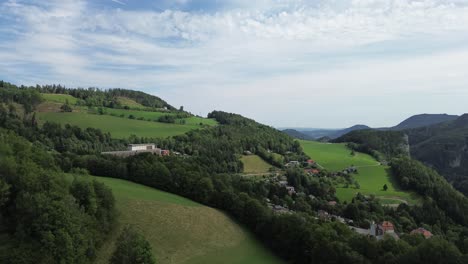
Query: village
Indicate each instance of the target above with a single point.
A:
(310, 167)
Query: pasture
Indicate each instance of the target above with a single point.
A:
(179, 230)
(335, 157)
(371, 175)
(117, 126)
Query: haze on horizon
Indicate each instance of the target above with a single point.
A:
(321, 64)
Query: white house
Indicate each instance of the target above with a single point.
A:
(136, 147)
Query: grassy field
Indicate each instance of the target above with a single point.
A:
(335, 157)
(371, 176)
(179, 230)
(59, 98)
(117, 126)
(255, 164)
(155, 115)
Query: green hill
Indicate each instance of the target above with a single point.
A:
(121, 123)
(117, 126)
(371, 175)
(180, 230)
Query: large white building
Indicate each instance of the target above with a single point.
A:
(136, 147)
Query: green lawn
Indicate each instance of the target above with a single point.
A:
(371, 176)
(59, 98)
(117, 126)
(255, 164)
(180, 230)
(335, 157)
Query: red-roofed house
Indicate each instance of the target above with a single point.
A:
(387, 226)
(427, 234)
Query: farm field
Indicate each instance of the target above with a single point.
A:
(255, 164)
(179, 230)
(59, 98)
(371, 176)
(117, 126)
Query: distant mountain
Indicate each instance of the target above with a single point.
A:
(331, 133)
(423, 120)
(296, 134)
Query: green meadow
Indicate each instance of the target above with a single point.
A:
(371, 175)
(254, 164)
(335, 157)
(117, 126)
(179, 230)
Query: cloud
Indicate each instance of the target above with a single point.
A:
(118, 2)
(262, 53)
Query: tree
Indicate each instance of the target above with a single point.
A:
(132, 248)
(66, 107)
(385, 187)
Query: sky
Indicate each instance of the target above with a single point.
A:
(316, 63)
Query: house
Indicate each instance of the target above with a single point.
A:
(382, 229)
(378, 230)
(291, 190)
(422, 231)
(283, 183)
(136, 147)
(280, 209)
(349, 170)
(323, 215)
(293, 163)
(247, 153)
(332, 203)
(311, 162)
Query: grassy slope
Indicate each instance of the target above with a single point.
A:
(118, 127)
(155, 115)
(180, 230)
(335, 157)
(371, 177)
(59, 98)
(255, 164)
(129, 102)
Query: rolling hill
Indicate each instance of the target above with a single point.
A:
(121, 123)
(180, 230)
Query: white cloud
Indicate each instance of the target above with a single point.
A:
(265, 54)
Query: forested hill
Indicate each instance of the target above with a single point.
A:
(423, 120)
(97, 97)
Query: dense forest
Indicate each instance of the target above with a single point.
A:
(43, 217)
(209, 173)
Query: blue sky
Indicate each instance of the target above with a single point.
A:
(315, 63)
